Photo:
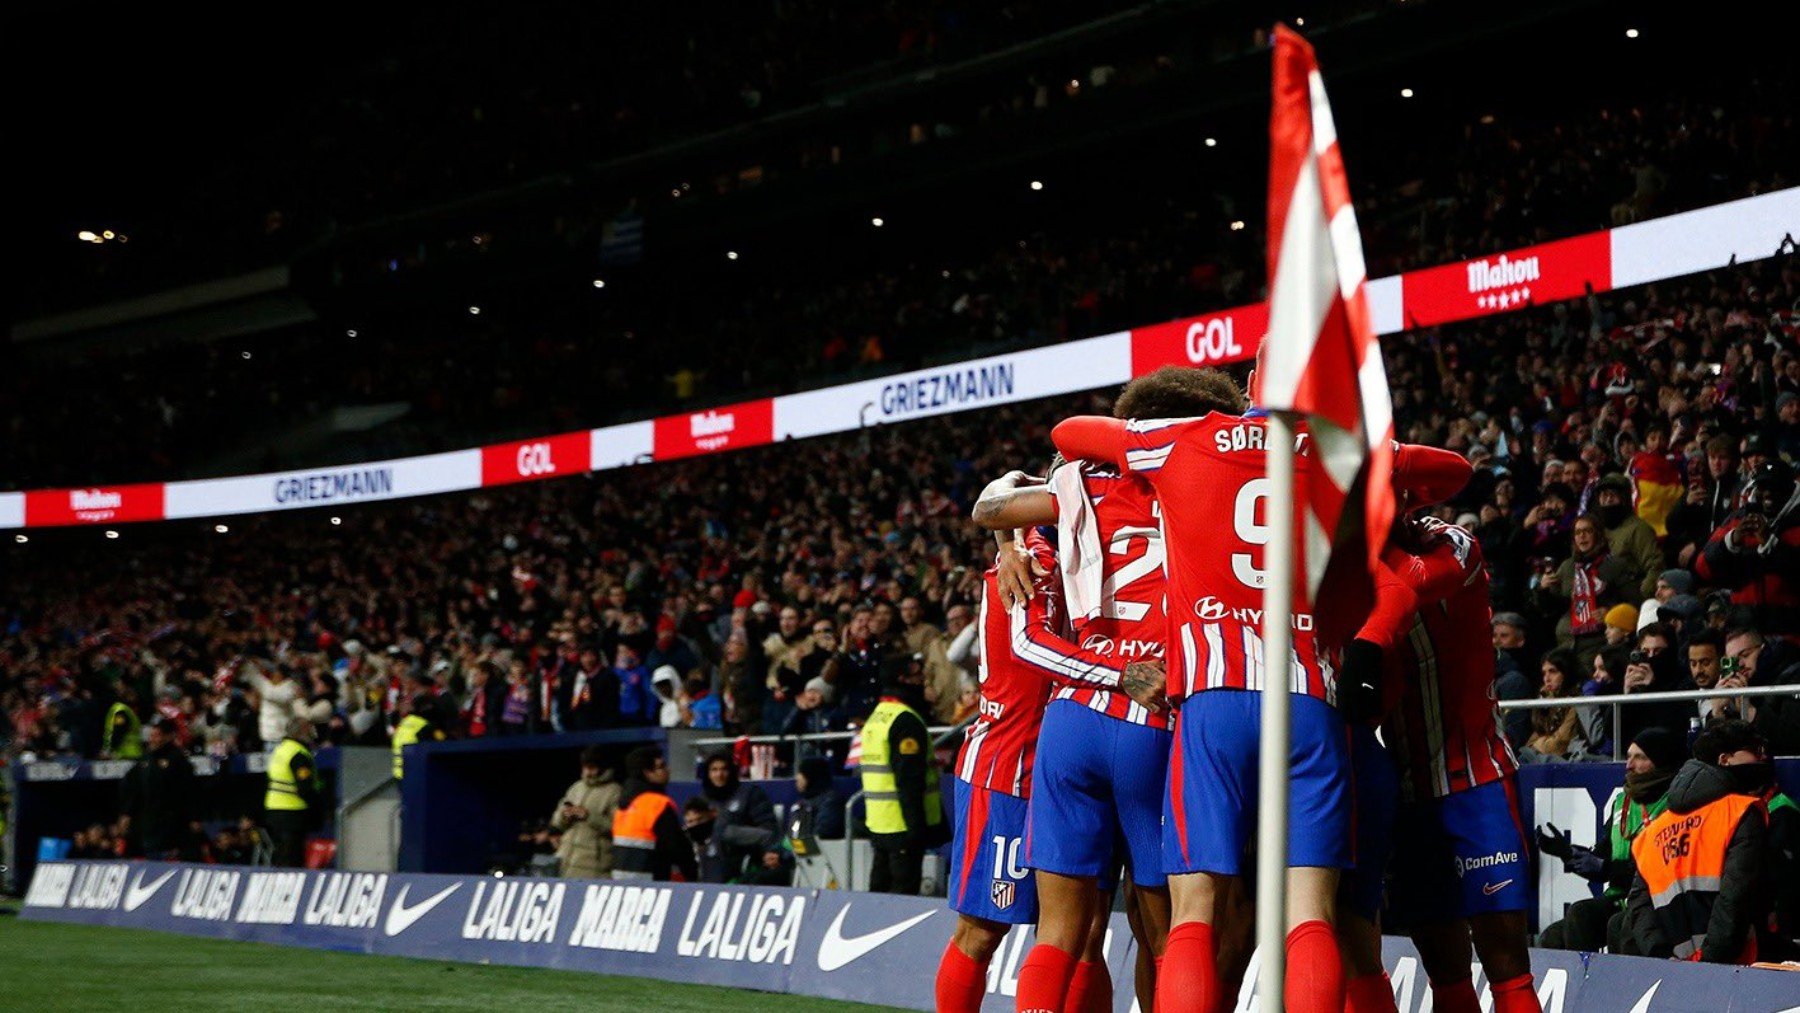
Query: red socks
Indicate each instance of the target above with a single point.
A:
(1371, 993)
(1456, 997)
(1044, 980)
(961, 982)
(1187, 977)
(1315, 970)
(1090, 989)
(1515, 995)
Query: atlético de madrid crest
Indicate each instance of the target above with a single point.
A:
(1003, 891)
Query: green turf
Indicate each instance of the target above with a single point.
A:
(54, 966)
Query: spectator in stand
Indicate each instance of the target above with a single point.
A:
(1669, 584)
(813, 713)
(700, 706)
(515, 712)
(1756, 555)
(1651, 761)
(1587, 584)
(593, 694)
(742, 683)
(1628, 537)
(639, 701)
(276, 692)
(157, 802)
(1621, 624)
(584, 818)
(1556, 732)
(1704, 652)
(746, 829)
(483, 702)
(1510, 680)
(1756, 661)
(672, 649)
(666, 685)
(1653, 666)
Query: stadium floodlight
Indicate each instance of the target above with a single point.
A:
(1631, 33)
(474, 311)
(87, 237)
(108, 234)
(877, 222)
(246, 354)
(1406, 93)
(335, 521)
(599, 282)
(1037, 184)
(351, 333)
(220, 528)
(730, 254)
(21, 539)
(1238, 225)
(1212, 142)
(112, 534)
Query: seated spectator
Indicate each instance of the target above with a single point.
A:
(746, 828)
(1704, 651)
(1556, 732)
(1621, 624)
(819, 813)
(813, 713)
(1510, 680)
(1669, 583)
(1653, 667)
(1651, 761)
(1702, 886)
(1745, 756)
(1606, 678)
(1754, 661)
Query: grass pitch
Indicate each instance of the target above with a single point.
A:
(53, 966)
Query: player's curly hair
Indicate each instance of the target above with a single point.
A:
(1179, 392)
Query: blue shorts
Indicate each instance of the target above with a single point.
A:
(1460, 855)
(1096, 795)
(1376, 784)
(988, 877)
(1209, 813)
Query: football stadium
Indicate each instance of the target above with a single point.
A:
(1126, 505)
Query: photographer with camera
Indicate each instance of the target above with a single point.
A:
(1756, 555)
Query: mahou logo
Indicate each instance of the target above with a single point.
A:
(94, 500)
(712, 430)
(1513, 280)
(730, 427)
(94, 505)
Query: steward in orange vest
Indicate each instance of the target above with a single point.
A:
(1700, 888)
(647, 836)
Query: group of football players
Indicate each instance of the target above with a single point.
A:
(1117, 740)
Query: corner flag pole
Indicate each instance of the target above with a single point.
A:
(1272, 785)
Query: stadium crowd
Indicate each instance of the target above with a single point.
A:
(1633, 490)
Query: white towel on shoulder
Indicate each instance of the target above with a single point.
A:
(1080, 555)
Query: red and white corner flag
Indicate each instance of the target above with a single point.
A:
(1320, 358)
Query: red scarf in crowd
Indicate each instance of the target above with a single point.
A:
(1584, 607)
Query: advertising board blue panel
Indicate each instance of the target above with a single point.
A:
(867, 947)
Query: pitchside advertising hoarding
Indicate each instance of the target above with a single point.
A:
(831, 944)
(1736, 232)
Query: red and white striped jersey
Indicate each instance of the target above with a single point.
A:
(1445, 730)
(998, 747)
(1087, 660)
(1209, 475)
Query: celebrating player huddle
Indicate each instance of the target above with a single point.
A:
(1117, 740)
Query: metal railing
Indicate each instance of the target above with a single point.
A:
(1618, 700)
